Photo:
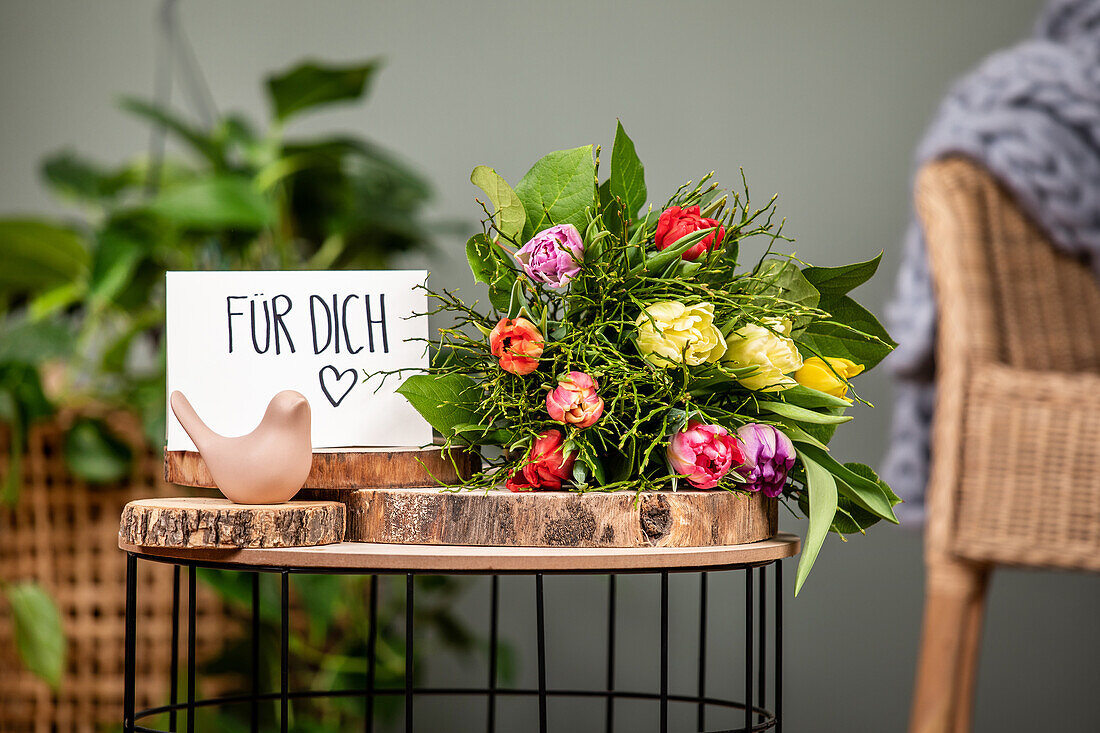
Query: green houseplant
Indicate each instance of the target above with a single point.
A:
(82, 302)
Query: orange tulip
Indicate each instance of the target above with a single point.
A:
(517, 344)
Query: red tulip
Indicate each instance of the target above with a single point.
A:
(675, 223)
(547, 464)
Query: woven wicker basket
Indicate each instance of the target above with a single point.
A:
(63, 534)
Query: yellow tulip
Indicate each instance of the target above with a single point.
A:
(769, 350)
(817, 374)
(671, 333)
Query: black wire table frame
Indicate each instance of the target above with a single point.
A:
(757, 715)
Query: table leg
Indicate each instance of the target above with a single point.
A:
(748, 649)
(129, 692)
(778, 646)
(409, 653)
(762, 644)
(494, 611)
(664, 652)
(284, 665)
(372, 641)
(701, 715)
(174, 672)
(254, 712)
(540, 623)
(192, 605)
(610, 711)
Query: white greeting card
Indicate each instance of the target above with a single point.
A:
(235, 339)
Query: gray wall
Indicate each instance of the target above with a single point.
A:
(822, 101)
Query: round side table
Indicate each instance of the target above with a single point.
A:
(411, 560)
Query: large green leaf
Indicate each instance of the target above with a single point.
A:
(33, 342)
(557, 189)
(801, 414)
(809, 397)
(627, 180)
(39, 637)
(510, 216)
(202, 142)
(70, 175)
(869, 493)
(312, 84)
(35, 255)
(94, 454)
(221, 202)
(783, 280)
(837, 281)
(823, 502)
(861, 338)
(488, 266)
(446, 402)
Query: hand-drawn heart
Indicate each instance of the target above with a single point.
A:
(337, 378)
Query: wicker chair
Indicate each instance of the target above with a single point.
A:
(1016, 460)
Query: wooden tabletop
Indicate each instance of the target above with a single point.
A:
(367, 557)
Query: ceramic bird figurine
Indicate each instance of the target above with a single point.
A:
(268, 465)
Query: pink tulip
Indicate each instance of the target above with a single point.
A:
(574, 401)
(703, 453)
(548, 465)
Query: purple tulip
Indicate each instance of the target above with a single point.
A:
(769, 454)
(553, 255)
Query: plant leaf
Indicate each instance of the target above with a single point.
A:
(70, 175)
(808, 397)
(446, 402)
(627, 180)
(510, 216)
(823, 502)
(864, 491)
(557, 189)
(37, 255)
(39, 636)
(220, 202)
(867, 344)
(203, 143)
(801, 414)
(836, 281)
(94, 454)
(312, 84)
(785, 281)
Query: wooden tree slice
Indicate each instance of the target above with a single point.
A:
(386, 467)
(219, 523)
(430, 516)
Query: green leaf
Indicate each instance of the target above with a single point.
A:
(864, 491)
(785, 281)
(94, 454)
(809, 397)
(221, 202)
(446, 402)
(823, 502)
(488, 265)
(33, 342)
(801, 414)
(39, 637)
(557, 189)
(312, 84)
(203, 143)
(627, 178)
(867, 344)
(37, 255)
(862, 469)
(116, 258)
(659, 260)
(70, 175)
(510, 216)
(836, 281)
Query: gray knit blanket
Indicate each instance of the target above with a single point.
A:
(1031, 116)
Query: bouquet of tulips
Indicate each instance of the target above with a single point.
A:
(627, 347)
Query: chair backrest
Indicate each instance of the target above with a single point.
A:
(1024, 303)
(1016, 438)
